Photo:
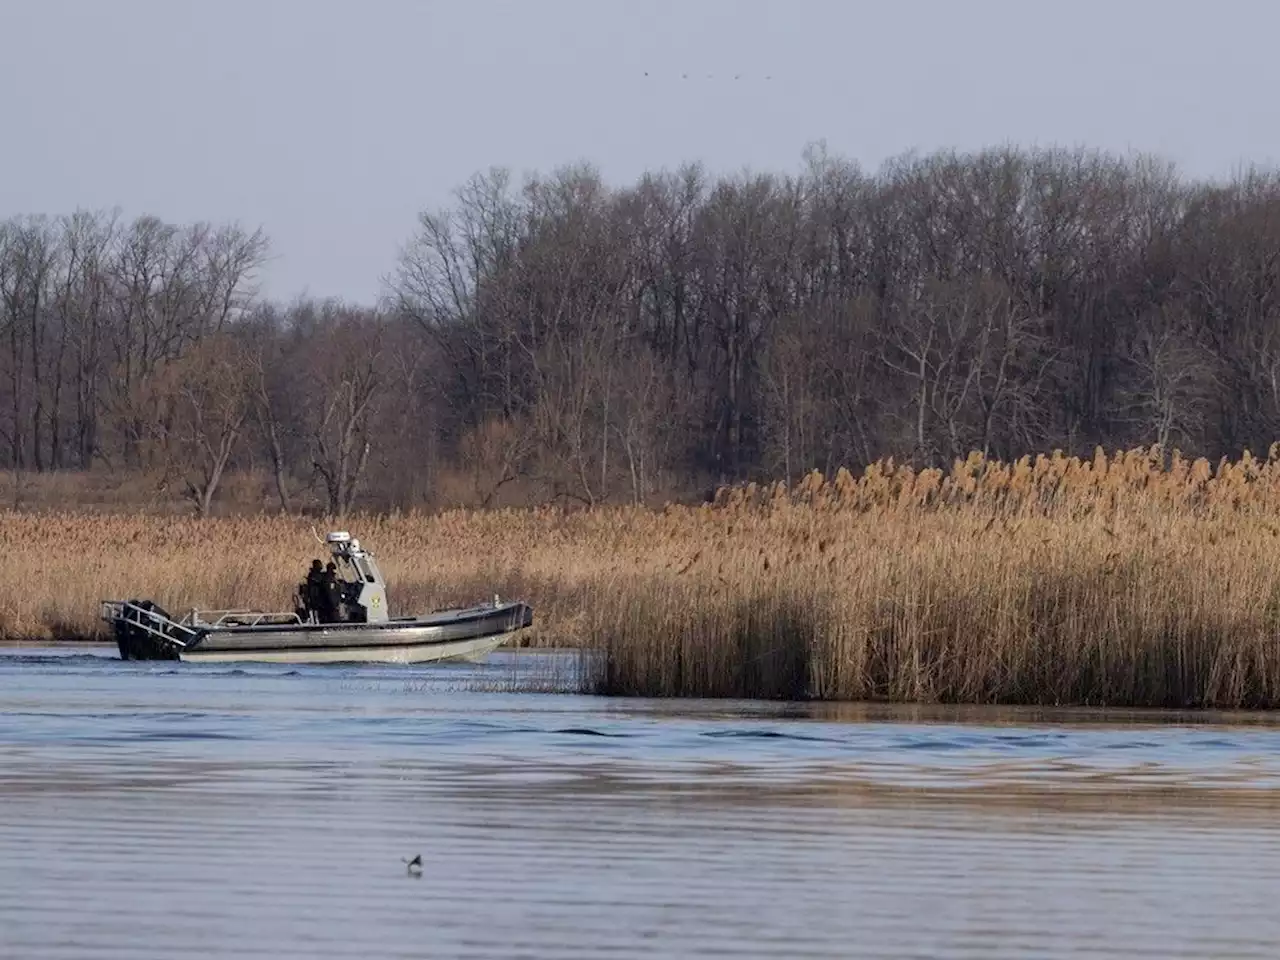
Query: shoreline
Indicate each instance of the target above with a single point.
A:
(1123, 581)
(11, 643)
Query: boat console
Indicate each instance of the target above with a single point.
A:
(364, 592)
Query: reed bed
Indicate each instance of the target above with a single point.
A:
(1135, 579)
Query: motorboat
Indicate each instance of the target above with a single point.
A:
(355, 628)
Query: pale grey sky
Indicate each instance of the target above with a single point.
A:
(330, 123)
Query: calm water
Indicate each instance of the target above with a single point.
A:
(166, 811)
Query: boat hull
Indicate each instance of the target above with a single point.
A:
(471, 650)
(467, 634)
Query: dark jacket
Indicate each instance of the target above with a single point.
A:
(314, 597)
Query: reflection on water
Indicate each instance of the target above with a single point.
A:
(169, 810)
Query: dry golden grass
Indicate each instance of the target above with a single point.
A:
(1123, 580)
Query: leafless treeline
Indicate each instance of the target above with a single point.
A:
(562, 338)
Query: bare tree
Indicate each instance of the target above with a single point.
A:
(173, 287)
(30, 256)
(345, 376)
(1172, 382)
(213, 387)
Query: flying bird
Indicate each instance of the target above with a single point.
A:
(712, 76)
(414, 866)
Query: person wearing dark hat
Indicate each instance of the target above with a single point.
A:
(315, 589)
(331, 594)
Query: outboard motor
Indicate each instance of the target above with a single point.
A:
(363, 589)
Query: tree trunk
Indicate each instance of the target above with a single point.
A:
(37, 414)
(278, 465)
(15, 375)
(55, 413)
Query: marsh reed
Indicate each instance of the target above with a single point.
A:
(1133, 579)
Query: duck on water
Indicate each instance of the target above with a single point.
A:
(339, 616)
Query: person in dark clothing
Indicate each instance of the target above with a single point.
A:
(300, 602)
(314, 597)
(331, 592)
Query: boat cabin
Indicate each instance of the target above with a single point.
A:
(361, 591)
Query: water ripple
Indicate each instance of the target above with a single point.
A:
(176, 812)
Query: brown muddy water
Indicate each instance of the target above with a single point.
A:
(168, 811)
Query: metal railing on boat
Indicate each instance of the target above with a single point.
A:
(238, 618)
(149, 621)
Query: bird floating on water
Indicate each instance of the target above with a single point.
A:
(414, 866)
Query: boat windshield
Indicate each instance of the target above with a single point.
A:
(346, 569)
(353, 569)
